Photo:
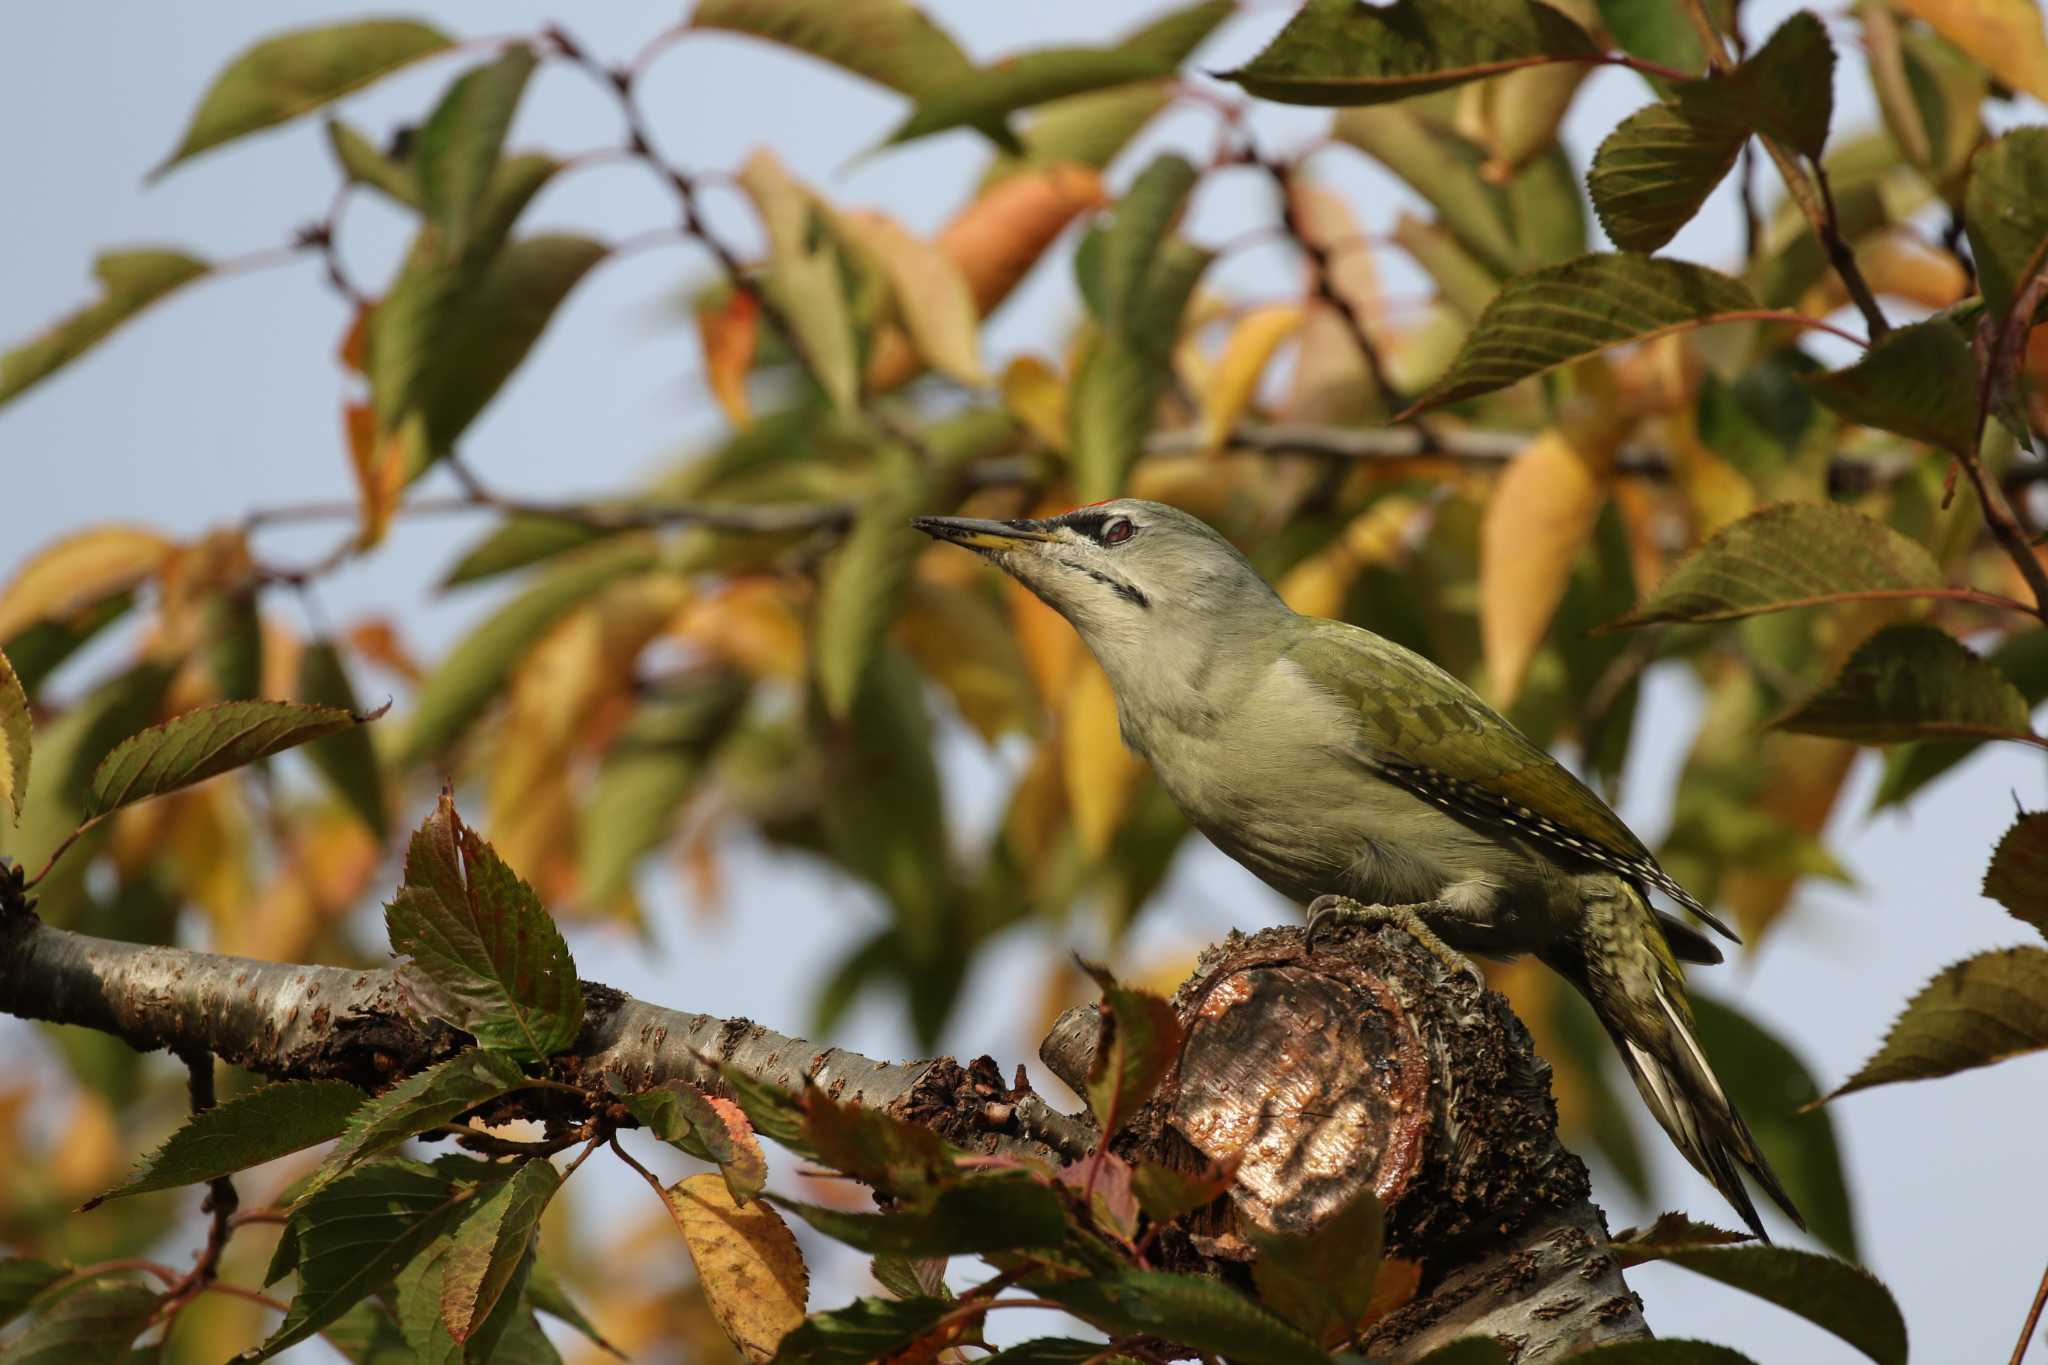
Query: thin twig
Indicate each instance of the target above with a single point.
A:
(2019, 1351)
(221, 1200)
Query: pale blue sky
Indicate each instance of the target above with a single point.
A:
(227, 398)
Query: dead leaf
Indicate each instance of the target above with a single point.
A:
(747, 1262)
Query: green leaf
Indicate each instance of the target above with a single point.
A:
(1444, 169)
(986, 1215)
(205, 743)
(1794, 554)
(98, 1322)
(357, 1233)
(862, 585)
(1671, 1351)
(903, 1160)
(1093, 128)
(456, 151)
(1550, 317)
(1464, 1351)
(1930, 93)
(1342, 52)
(487, 330)
(363, 164)
(1322, 1280)
(864, 1331)
(1651, 175)
(1143, 219)
(420, 1103)
(1204, 1314)
(40, 649)
(2006, 210)
(2024, 659)
(1166, 1194)
(806, 277)
(2018, 876)
(1979, 1011)
(15, 736)
(883, 814)
(1657, 31)
(1920, 381)
(130, 281)
(1773, 1090)
(1914, 682)
(515, 543)
(1653, 172)
(252, 1128)
(1785, 90)
(891, 42)
(491, 1253)
(982, 97)
(647, 774)
(546, 1292)
(283, 77)
(1841, 1298)
(1140, 1042)
(1125, 370)
(346, 758)
(234, 646)
(679, 1114)
(484, 953)
(22, 1280)
(476, 669)
(367, 1334)
(1636, 1246)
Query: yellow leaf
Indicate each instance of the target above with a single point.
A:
(1318, 585)
(1034, 395)
(1539, 517)
(932, 297)
(2005, 35)
(961, 639)
(751, 623)
(1038, 810)
(73, 573)
(1100, 772)
(1236, 380)
(1715, 491)
(382, 463)
(747, 1262)
(805, 277)
(729, 335)
(1898, 263)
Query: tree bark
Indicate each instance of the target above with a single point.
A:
(1362, 1064)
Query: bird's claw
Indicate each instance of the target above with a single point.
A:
(1327, 911)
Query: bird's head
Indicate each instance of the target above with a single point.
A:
(1122, 571)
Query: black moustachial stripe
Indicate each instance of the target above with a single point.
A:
(1129, 592)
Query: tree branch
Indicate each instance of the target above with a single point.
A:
(291, 1022)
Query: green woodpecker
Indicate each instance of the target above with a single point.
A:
(1362, 781)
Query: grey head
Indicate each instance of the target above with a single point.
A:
(1129, 574)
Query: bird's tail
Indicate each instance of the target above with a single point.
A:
(1622, 965)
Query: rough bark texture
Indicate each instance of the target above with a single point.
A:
(1365, 1065)
(1361, 1064)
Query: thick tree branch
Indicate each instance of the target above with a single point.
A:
(288, 1022)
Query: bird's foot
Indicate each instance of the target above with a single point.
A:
(1327, 911)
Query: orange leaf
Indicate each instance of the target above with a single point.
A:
(747, 1263)
(381, 464)
(1034, 395)
(729, 334)
(376, 639)
(998, 237)
(1331, 383)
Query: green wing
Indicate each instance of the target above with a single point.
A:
(1421, 726)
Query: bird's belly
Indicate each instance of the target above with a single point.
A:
(1310, 823)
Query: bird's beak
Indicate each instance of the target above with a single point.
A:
(976, 533)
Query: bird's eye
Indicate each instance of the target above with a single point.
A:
(1118, 531)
